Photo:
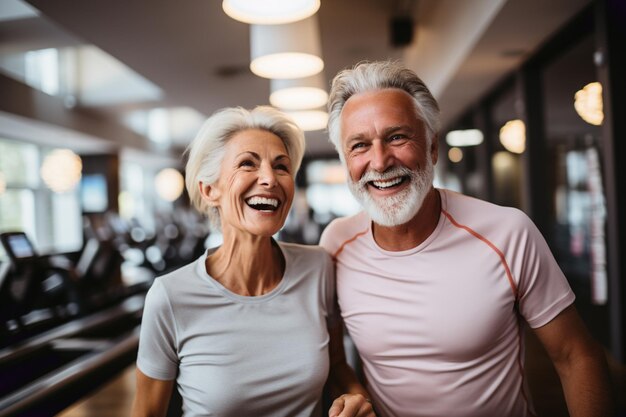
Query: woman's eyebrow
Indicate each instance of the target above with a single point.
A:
(253, 154)
(282, 156)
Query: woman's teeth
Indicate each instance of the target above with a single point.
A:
(262, 203)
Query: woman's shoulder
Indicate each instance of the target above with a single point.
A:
(178, 274)
(300, 250)
(176, 281)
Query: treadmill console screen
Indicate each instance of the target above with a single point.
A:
(20, 246)
(17, 246)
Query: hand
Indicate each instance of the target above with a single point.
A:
(351, 405)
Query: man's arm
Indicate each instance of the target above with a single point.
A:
(353, 400)
(580, 363)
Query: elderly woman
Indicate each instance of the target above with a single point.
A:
(242, 331)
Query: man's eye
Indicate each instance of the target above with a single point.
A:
(357, 146)
(397, 136)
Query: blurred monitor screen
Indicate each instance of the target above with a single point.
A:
(93, 193)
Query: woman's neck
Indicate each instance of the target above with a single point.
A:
(245, 264)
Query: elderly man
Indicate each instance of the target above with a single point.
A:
(435, 288)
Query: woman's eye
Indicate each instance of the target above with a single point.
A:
(246, 163)
(282, 167)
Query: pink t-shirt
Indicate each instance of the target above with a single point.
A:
(436, 326)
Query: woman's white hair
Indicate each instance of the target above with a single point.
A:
(206, 151)
(371, 76)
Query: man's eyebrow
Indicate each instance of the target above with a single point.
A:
(356, 136)
(392, 129)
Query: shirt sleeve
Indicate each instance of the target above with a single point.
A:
(328, 288)
(327, 240)
(543, 289)
(157, 357)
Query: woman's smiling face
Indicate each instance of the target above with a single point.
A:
(256, 184)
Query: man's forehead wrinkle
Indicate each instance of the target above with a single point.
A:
(384, 132)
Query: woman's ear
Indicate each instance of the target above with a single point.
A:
(209, 194)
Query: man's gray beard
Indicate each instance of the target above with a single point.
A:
(398, 208)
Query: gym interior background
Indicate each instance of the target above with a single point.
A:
(99, 99)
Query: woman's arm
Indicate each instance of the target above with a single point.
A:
(152, 397)
(353, 398)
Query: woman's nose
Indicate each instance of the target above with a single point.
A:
(267, 177)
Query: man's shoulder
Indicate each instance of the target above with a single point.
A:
(476, 213)
(467, 206)
(343, 229)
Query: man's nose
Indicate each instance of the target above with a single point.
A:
(267, 176)
(381, 157)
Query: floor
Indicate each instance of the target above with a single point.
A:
(115, 399)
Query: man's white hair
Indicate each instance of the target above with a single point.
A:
(371, 76)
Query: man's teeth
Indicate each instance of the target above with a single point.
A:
(387, 183)
(262, 203)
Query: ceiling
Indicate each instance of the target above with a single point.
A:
(198, 57)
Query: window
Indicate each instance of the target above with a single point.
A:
(578, 216)
(51, 220)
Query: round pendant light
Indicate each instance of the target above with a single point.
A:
(309, 120)
(298, 93)
(61, 170)
(513, 136)
(588, 103)
(169, 184)
(291, 50)
(270, 12)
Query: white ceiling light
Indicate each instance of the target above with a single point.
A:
(309, 120)
(513, 136)
(61, 170)
(588, 103)
(299, 93)
(292, 50)
(467, 137)
(270, 12)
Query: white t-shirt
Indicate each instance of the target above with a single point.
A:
(233, 355)
(436, 326)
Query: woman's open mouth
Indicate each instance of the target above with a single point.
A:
(264, 204)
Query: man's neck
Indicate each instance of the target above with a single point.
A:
(413, 233)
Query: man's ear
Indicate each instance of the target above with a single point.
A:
(209, 194)
(434, 149)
